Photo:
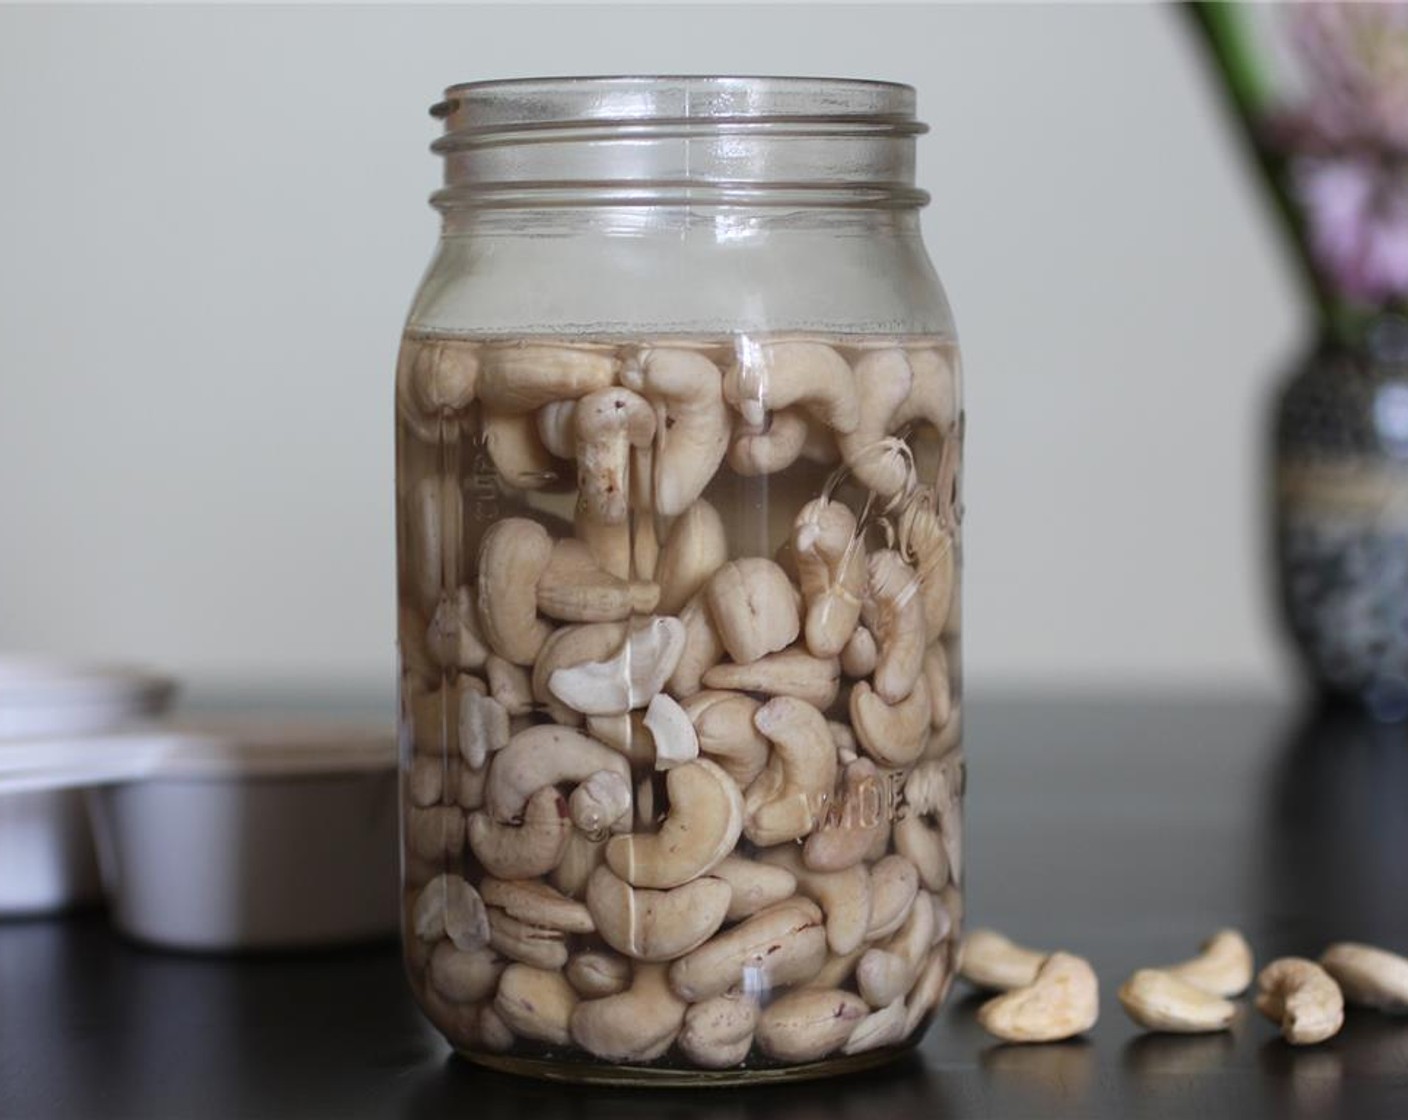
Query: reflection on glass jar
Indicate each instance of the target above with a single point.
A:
(678, 450)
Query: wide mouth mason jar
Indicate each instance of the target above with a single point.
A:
(678, 445)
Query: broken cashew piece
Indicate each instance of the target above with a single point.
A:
(996, 963)
(1161, 1001)
(1301, 998)
(628, 679)
(1222, 967)
(671, 731)
(702, 828)
(1369, 977)
(448, 906)
(1063, 1001)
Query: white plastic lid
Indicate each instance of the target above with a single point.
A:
(49, 696)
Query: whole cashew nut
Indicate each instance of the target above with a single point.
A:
(525, 943)
(850, 829)
(637, 1025)
(651, 925)
(694, 548)
(894, 885)
(831, 568)
(524, 851)
(723, 724)
(996, 963)
(595, 974)
(1063, 1001)
(702, 649)
(602, 802)
(879, 464)
(1222, 967)
(544, 756)
(784, 944)
(770, 376)
(844, 897)
(703, 825)
(574, 588)
(1300, 997)
(609, 422)
(537, 904)
(516, 378)
(754, 613)
(808, 1024)
(794, 673)
(536, 1003)
(517, 452)
(1161, 1001)
(718, 1032)
(892, 734)
(756, 886)
(691, 421)
(770, 447)
(513, 554)
(464, 976)
(788, 799)
(1368, 976)
(448, 906)
(895, 615)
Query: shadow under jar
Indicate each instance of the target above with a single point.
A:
(678, 446)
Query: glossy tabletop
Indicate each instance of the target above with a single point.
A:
(1125, 831)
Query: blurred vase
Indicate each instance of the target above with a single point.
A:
(1341, 521)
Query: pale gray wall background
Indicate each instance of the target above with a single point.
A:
(212, 221)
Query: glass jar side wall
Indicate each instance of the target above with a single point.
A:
(679, 625)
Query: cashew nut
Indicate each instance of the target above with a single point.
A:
(568, 647)
(1222, 967)
(482, 728)
(528, 944)
(537, 904)
(453, 637)
(879, 464)
(885, 1027)
(694, 548)
(1301, 998)
(886, 973)
(926, 542)
(860, 656)
(1063, 1001)
(770, 447)
(808, 1024)
(518, 454)
(894, 884)
(1161, 1001)
(536, 1003)
(844, 897)
(754, 613)
(557, 428)
(573, 588)
(447, 906)
(544, 755)
(702, 648)
(723, 724)
(464, 976)
(595, 974)
(523, 851)
(718, 1032)
(602, 802)
(610, 422)
(895, 615)
(771, 376)
(831, 569)
(756, 886)
(892, 734)
(703, 825)
(637, 1025)
(513, 554)
(436, 833)
(652, 925)
(582, 855)
(630, 677)
(626, 734)
(849, 830)
(790, 796)
(930, 835)
(933, 982)
(784, 944)
(794, 672)
(435, 378)
(936, 676)
(518, 378)
(434, 518)
(672, 732)
(691, 421)
(510, 685)
(1368, 976)
(995, 963)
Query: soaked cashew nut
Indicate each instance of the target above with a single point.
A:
(844, 897)
(702, 649)
(568, 647)
(528, 944)
(723, 725)
(770, 447)
(524, 851)
(518, 378)
(793, 672)
(582, 855)
(895, 615)
(509, 685)
(852, 825)
(1368, 976)
(628, 679)
(996, 963)
(610, 422)
(927, 543)
(436, 378)
(536, 1003)
(1063, 1001)
(1161, 1001)
(574, 588)
(767, 377)
(861, 655)
(756, 886)
(1222, 967)
(672, 732)
(885, 1027)
(694, 549)
(892, 734)
(557, 428)
(434, 527)
(930, 833)
(894, 885)
(886, 973)
(637, 1025)
(464, 976)
(518, 454)
(448, 906)
(651, 925)
(788, 799)
(537, 904)
(784, 944)
(594, 974)
(453, 638)
(879, 464)
(831, 568)
(691, 421)
(754, 613)
(702, 827)
(718, 1032)
(544, 756)
(936, 676)
(602, 802)
(808, 1024)
(1301, 998)
(513, 555)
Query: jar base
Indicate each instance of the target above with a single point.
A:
(585, 1073)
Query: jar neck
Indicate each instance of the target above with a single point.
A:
(697, 145)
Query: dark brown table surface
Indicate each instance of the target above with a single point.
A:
(1125, 831)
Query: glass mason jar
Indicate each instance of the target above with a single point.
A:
(678, 445)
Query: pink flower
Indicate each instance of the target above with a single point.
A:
(1356, 211)
(1356, 65)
